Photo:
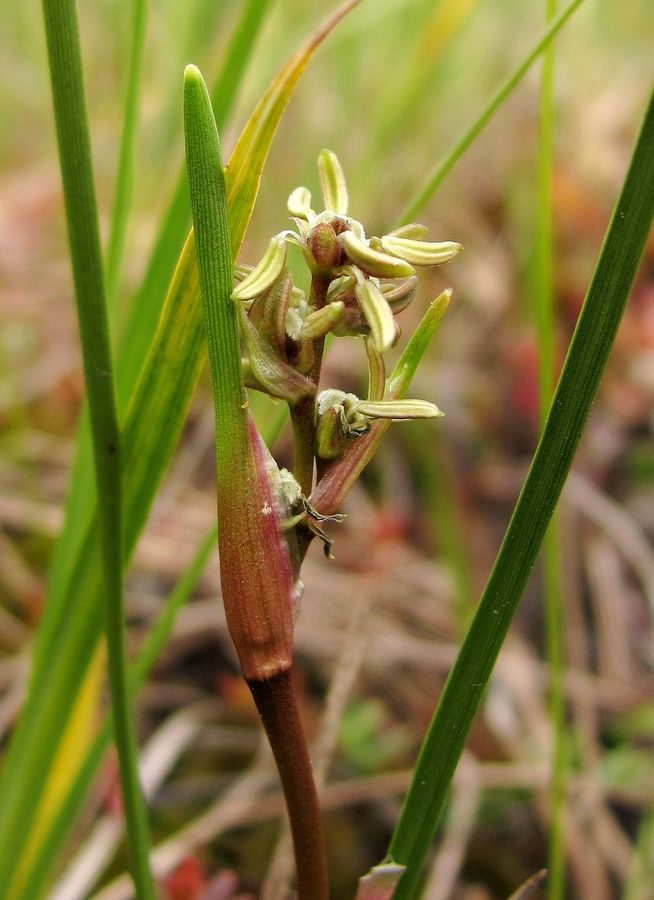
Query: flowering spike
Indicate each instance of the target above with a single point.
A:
(263, 275)
(372, 261)
(383, 330)
(299, 204)
(332, 183)
(421, 253)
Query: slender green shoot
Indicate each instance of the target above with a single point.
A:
(552, 573)
(443, 167)
(66, 75)
(125, 177)
(592, 340)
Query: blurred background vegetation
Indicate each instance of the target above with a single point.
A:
(390, 91)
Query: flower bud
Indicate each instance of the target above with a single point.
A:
(299, 203)
(383, 329)
(372, 261)
(421, 253)
(319, 323)
(332, 183)
(264, 273)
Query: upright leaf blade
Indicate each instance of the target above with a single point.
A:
(596, 328)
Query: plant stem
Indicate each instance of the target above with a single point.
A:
(125, 178)
(303, 414)
(277, 705)
(66, 76)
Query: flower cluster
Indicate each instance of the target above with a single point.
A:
(358, 286)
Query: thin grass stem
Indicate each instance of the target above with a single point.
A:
(125, 177)
(444, 166)
(552, 567)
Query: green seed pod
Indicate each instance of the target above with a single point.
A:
(272, 371)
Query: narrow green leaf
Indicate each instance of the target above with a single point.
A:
(255, 570)
(553, 596)
(589, 349)
(125, 179)
(64, 57)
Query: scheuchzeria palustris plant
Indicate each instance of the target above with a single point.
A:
(358, 285)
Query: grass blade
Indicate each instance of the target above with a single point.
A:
(64, 56)
(589, 349)
(543, 286)
(442, 168)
